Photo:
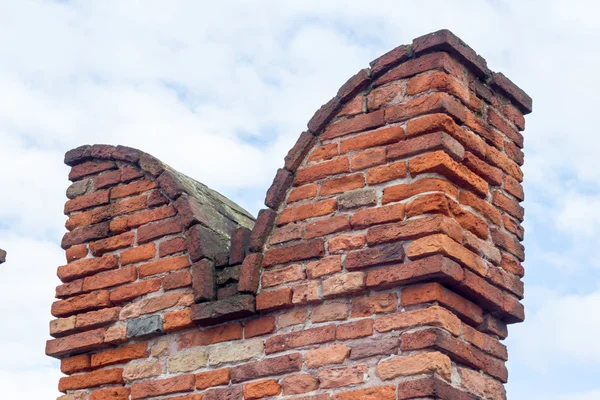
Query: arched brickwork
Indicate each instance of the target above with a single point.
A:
(387, 264)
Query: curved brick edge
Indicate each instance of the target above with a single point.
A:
(442, 40)
(216, 233)
(2, 256)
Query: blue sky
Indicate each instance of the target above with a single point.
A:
(221, 90)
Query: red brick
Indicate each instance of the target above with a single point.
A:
(324, 266)
(152, 388)
(485, 342)
(120, 355)
(81, 303)
(258, 327)
(261, 389)
(129, 174)
(497, 121)
(489, 211)
(440, 162)
(491, 174)
(434, 292)
(164, 265)
(303, 338)
(138, 254)
(372, 256)
(165, 301)
(359, 123)
(306, 293)
(133, 188)
(140, 218)
(178, 320)
(85, 234)
(484, 130)
(385, 96)
(287, 233)
(76, 252)
(155, 230)
(91, 379)
(513, 187)
(425, 269)
(508, 243)
(76, 343)
(372, 393)
(440, 60)
(342, 184)
(305, 250)
(432, 103)
(407, 190)
(303, 192)
(345, 376)
(413, 229)
(216, 377)
(89, 168)
(110, 278)
(100, 247)
(177, 280)
(343, 243)
(368, 158)
(322, 356)
(87, 266)
(514, 152)
(329, 312)
(507, 204)
(267, 367)
(469, 221)
(353, 107)
(299, 384)
(373, 139)
(373, 216)
(79, 363)
(223, 333)
(387, 173)
(107, 179)
(324, 152)
(344, 284)
(95, 319)
(426, 143)
(290, 318)
(442, 244)
(129, 292)
(327, 226)
(353, 330)
(444, 83)
(279, 276)
(321, 170)
(110, 394)
(171, 246)
(376, 304)
(274, 300)
(129, 205)
(305, 211)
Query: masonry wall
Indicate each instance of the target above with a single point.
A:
(386, 266)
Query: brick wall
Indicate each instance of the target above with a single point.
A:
(386, 266)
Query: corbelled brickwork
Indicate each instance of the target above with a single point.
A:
(386, 266)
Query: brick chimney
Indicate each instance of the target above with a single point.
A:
(386, 266)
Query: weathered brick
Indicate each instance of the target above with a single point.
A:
(386, 173)
(212, 378)
(89, 168)
(303, 338)
(258, 327)
(261, 389)
(133, 188)
(434, 316)
(327, 226)
(223, 333)
(426, 143)
(87, 266)
(373, 216)
(267, 367)
(330, 312)
(344, 376)
(156, 230)
(278, 276)
(275, 299)
(91, 379)
(302, 192)
(413, 229)
(407, 190)
(81, 303)
(426, 62)
(138, 254)
(368, 158)
(78, 363)
(432, 103)
(293, 317)
(110, 394)
(324, 152)
(416, 364)
(324, 266)
(152, 388)
(353, 330)
(344, 284)
(305, 211)
(321, 170)
(298, 384)
(163, 265)
(373, 256)
(305, 250)
(434, 292)
(120, 355)
(107, 279)
(306, 293)
(376, 304)
(129, 292)
(352, 125)
(507, 204)
(76, 343)
(342, 184)
(379, 393)
(343, 243)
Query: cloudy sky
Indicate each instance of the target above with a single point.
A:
(221, 90)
